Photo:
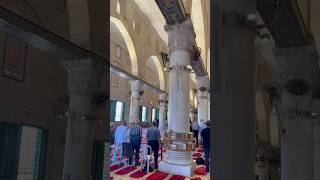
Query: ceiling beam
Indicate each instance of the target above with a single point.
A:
(174, 12)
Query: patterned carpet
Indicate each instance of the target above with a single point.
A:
(130, 172)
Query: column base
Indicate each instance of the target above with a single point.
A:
(177, 169)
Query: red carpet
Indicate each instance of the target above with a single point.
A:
(114, 167)
(138, 174)
(196, 155)
(197, 178)
(157, 176)
(200, 171)
(126, 170)
(177, 177)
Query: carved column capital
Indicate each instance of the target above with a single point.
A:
(181, 36)
(136, 88)
(84, 76)
(295, 62)
(162, 99)
(296, 70)
(202, 86)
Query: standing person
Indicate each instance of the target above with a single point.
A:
(135, 134)
(195, 130)
(120, 137)
(153, 138)
(205, 134)
(112, 133)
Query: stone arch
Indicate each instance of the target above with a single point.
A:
(79, 22)
(126, 36)
(156, 61)
(262, 121)
(197, 17)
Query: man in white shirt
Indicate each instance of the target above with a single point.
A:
(195, 130)
(120, 137)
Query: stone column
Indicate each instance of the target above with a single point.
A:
(135, 96)
(181, 43)
(296, 74)
(84, 79)
(316, 138)
(234, 105)
(316, 148)
(202, 95)
(162, 111)
(263, 169)
(208, 106)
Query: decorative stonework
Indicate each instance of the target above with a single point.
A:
(181, 36)
(162, 99)
(136, 88)
(296, 73)
(202, 87)
(297, 62)
(84, 76)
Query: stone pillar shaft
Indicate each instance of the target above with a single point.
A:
(181, 43)
(84, 79)
(296, 75)
(234, 105)
(202, 86)
(134, 104)
(162, 111)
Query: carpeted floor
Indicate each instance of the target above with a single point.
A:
(129, 172)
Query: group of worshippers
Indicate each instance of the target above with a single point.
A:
(132, 136)
(205, 138)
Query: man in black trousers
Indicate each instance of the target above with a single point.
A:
(153, 138)
(205, 134)
(135, 134)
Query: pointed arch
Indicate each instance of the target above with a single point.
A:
(160, 71)
(126, 36)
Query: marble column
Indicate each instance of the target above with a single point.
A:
(135, 96)
(233, 129)
(296, 68)
(162, 112)
(208, 106)
(263, 171)
(84, 79)
(316, 139)
(181, 42)
(202, 95)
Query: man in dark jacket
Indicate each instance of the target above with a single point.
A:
(153, 138)
(135, 134)
(205, 134)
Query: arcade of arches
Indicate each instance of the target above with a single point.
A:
(68, 78)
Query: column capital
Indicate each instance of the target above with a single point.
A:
(181, 36)
(84, 76)
(136, 88)
(202, 86)
(296, 72)
(296, 63)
